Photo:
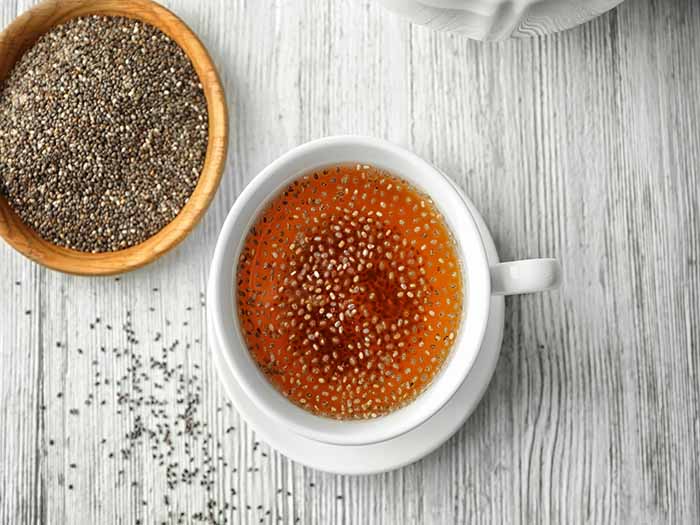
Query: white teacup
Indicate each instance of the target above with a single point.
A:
(482, 281)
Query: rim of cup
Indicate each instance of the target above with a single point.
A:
(223, 309)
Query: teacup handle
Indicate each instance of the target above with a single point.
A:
(528, 276)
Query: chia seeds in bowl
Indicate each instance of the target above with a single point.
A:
(103, 133)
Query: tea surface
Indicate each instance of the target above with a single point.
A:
(349, 292)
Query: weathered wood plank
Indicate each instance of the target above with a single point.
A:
(583, 145)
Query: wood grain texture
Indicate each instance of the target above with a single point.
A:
(19, 36)
(583, 145)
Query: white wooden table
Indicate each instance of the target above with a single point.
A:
(584, 146)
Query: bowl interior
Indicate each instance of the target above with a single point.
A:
(20, 36)
(222, 289)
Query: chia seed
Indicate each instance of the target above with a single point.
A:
(169, 429)
(103, 133)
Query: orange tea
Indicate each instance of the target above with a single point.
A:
(349, 291)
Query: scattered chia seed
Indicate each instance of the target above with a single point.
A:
(103, 133)
(158, 399)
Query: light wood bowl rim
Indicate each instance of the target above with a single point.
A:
(19, 36)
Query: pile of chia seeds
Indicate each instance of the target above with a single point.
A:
(103, 133)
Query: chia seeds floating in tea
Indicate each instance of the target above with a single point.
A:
(103, 133)
(349, 292)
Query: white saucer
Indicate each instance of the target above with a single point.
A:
(400, 451)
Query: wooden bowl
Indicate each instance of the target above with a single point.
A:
(20, 36)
